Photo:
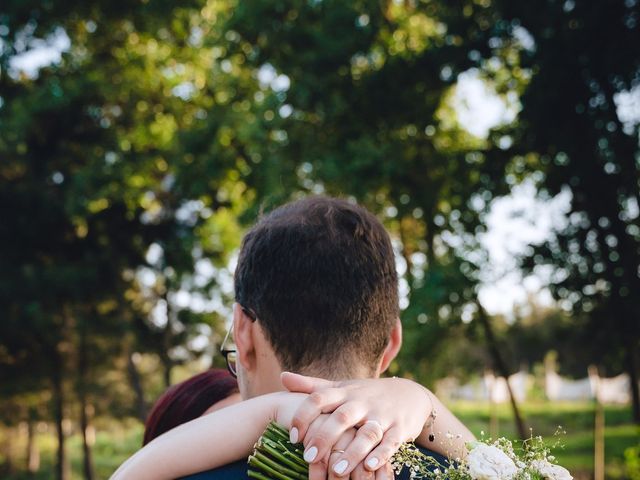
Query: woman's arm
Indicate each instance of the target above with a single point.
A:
(210, 441)
(388, 412)
(400, 408)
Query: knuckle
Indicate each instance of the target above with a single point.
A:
(323, 463)
(342, 416)
(320, 440)
(316, 399)
(393, 443)
(371, 434)
(298, 420)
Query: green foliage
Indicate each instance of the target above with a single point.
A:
(632, 462)
(571, 124)
(133, 165)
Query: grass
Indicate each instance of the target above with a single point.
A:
(576, 419)
(113, 445)
(116, 441)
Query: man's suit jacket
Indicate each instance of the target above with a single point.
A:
(238, 470)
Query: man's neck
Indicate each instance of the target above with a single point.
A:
(273, 384)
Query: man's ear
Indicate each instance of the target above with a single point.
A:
(393, 347)
(243, 337)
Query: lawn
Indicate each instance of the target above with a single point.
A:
(576, 419)
(114, 442)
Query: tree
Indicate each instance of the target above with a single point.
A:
(584, 59)
(367, 112)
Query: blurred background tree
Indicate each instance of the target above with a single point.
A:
(584, 144)
(131, 166)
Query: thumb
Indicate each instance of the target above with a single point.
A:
(295, 382)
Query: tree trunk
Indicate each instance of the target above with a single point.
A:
(632, 370)
(83, 365)
(598, 437)
(430, 239)
(501, 367)
(166, 372)
(33, 453)
(87, 465)
(61, 472)
(406, 254)
(136, 384)
(167, 339)
(8, 452)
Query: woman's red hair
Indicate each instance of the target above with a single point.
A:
(187, 400)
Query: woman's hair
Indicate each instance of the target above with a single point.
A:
(188, 400)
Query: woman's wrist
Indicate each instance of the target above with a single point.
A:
(285, 406)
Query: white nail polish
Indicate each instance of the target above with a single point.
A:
(372, 462)
(310, 454)
(293, 435)
(340, 467)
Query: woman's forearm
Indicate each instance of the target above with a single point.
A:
(450, 436)
(207, 442)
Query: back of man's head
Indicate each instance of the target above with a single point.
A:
(319, 274)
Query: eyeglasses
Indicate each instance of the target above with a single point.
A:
(231, 354)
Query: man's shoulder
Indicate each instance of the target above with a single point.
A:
(442, 460)
(238, 470)
(232, 471)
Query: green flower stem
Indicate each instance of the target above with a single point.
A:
(278, 466)
(257, 475)
(297, 458)
(273, 451)
(279, 429)
(255, 462)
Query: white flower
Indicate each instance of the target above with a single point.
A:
(487, 462)
(550, 471)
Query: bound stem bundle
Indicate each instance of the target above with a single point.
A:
(275, 458)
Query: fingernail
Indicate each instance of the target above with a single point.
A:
(372, 462)
(310, 454)
(340, 467)
(293, 435)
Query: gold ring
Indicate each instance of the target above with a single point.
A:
(337, 451)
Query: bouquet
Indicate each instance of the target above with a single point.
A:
(275, 458)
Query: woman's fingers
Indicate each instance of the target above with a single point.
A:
(303, 384)
(312, 407)
(342, 443)
(389, 445)
(367, 437)
(385, 472)
(323, 440)
(359, 473)
(318, 470)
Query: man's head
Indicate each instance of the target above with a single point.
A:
(319, 276)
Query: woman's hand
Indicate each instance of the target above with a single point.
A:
(386, 411)
(319, 470)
